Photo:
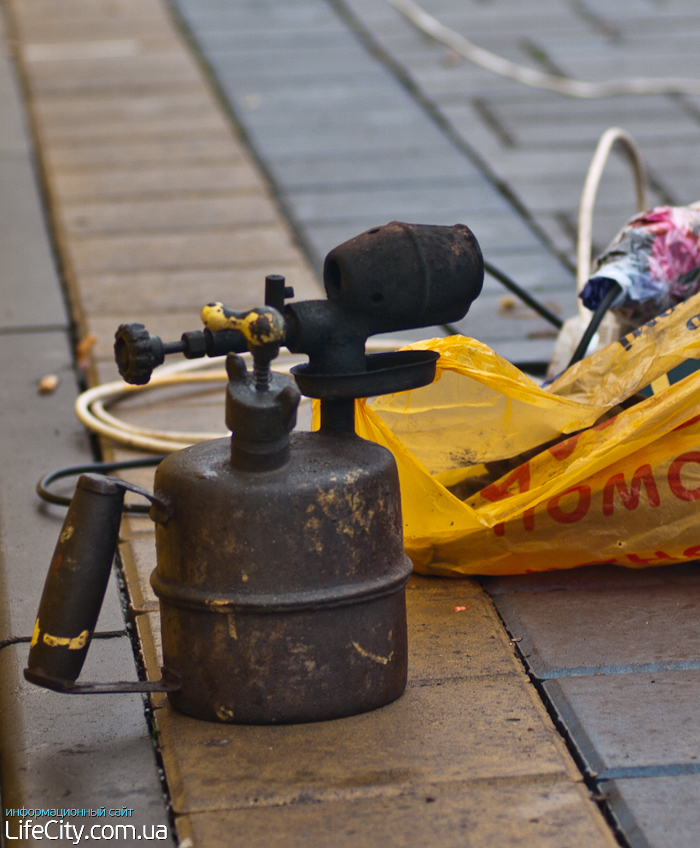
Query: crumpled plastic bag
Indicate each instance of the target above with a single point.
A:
(622, 490)
(656, 260)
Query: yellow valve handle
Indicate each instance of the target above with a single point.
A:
(261, 326)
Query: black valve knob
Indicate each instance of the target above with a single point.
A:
(137, 353)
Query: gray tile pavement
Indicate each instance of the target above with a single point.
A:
(59, 753)
(39, 432)
(654, 810)
(346, 145)
(615, 653)
(12, 128)
(27, 264)
(598, 629)
(51, 755)
(615, 721)
(26, 273)
(581, 44)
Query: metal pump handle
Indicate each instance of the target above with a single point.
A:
(75, 588)
(262, 325)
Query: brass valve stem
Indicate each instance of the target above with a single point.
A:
(261, 374)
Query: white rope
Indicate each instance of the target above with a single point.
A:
(610, 328)
(429, 25)
(90, 407)
(605, 145)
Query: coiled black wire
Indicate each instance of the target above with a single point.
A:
(101, 468)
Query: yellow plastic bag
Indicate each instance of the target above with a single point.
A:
(623, 491)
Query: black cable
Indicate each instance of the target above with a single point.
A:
(525, 296)
(535, 368)
(594, 323)
(101, 468)
(520, 292)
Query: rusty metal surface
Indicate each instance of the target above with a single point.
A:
(282, 592)
(387, 279)
(401, 276)
(281, 572)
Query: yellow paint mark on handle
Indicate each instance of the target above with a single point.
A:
(262, 325)
(35, 634)
(74, 644)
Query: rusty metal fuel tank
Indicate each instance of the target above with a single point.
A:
(281, 571)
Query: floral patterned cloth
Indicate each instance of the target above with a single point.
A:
(656, 260)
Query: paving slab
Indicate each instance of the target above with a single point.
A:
(352, 170)
(209, 146)
(58, 754)
(656, 811)
(446, 733)
(38, 432)
(466, 201)
(64, 27)
(144, 293)
(593, 577)
(115, 184)
(162, 213)
(178, 251)
(475, 644)
(596, 629)
(548, 813)
(27, 277)
(105, 75)
(615, 721)
(12, 129)
(53, 752)
(139, 126)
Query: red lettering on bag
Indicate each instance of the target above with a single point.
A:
(498, 491)
(692, 552)
(688, 423)
(674, 476)
(528, 522)
(657, 555)
(630, 497)
(582, 507)
(563, 450)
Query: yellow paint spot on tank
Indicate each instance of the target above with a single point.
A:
(232, 632)
(370, 656)
(225, 714)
